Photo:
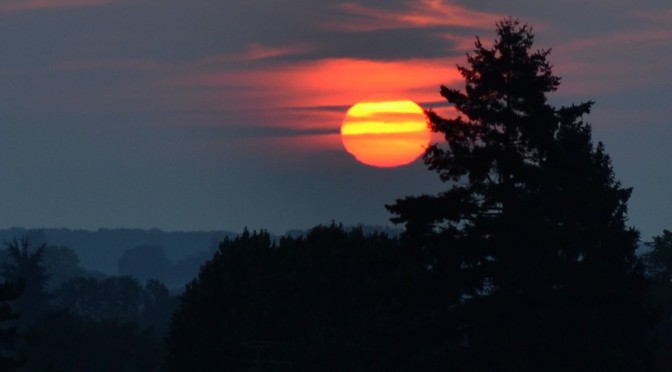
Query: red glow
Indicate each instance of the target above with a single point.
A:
(311, 96)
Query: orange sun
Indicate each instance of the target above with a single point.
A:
(384, 132)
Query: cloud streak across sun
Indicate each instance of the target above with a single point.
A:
(303, 87)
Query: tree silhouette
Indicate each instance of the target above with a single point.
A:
(659, 269)
(158, 307)
(332, 300)
(10, 359)
(531, 232)
(61, 263)
(63, 341)
(119, 298)
(111, 324)
(659, 259)
(26, 271)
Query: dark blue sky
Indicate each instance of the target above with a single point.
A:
(213, 114)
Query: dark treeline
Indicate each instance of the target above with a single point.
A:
(64, 317)
(330, 300)
(524, 263)
(333, 300)
(172, 257)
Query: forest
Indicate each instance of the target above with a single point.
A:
(525, 262)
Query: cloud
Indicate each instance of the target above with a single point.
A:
(258, 52)
(664, 16)
(103, 65)
(460, 43)
(328, 81)
(616, 62)
(301, 101)
(416, 14)
(621, 39)
(28, 5)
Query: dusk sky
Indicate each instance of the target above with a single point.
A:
(220, 114)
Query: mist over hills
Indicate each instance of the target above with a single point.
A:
(100, 250)
(172, 257)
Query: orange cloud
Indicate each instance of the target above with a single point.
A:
(418, 14)
(259, 52)
(331, 81)
(315, 95)
(459, 42)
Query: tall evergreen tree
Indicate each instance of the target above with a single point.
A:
(531, 232)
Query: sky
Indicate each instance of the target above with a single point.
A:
(216, 115)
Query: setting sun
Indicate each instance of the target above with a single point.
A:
(384, 132)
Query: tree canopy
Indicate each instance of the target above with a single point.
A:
(333, 300)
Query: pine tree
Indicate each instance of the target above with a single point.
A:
(531, 232)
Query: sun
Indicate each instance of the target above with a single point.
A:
(385, 132)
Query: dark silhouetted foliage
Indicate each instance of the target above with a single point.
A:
(25, 270)
(330, 301)
(112, 324)
(531, 232)
(62, 341)
(10, 358)
(659, 259)
(62, 264)
(659, 269)
(118, 298)
(85, 324)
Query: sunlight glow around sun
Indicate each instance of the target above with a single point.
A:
(384, 132)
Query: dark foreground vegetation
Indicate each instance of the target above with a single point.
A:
(333, 300)
(523, 263)
(86, 323)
